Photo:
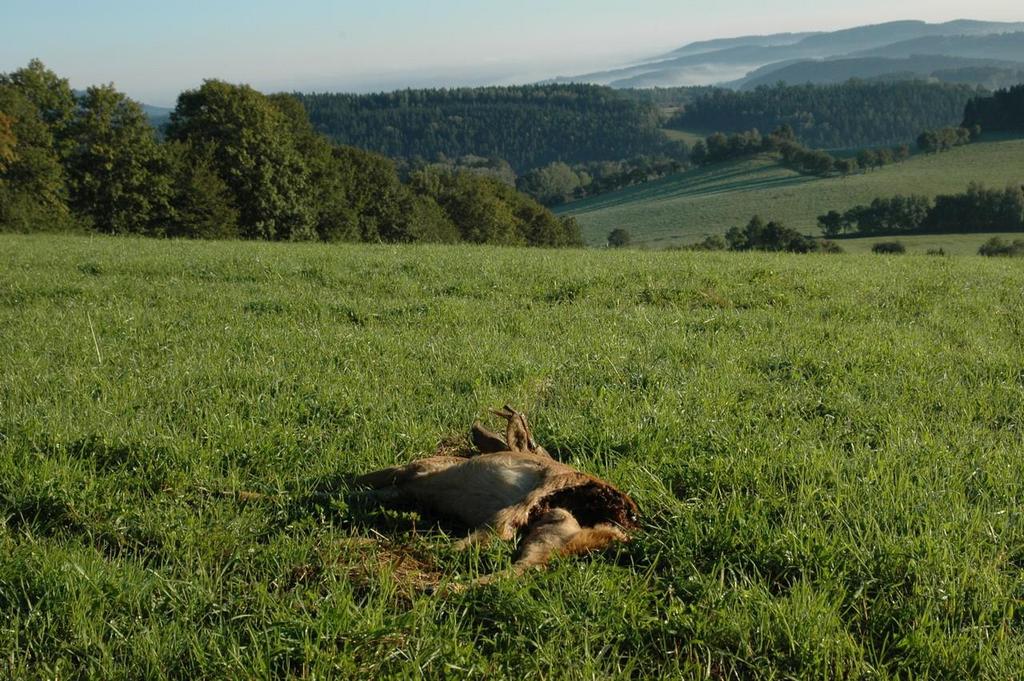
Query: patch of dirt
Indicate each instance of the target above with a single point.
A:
(411, 569)
(455, 445)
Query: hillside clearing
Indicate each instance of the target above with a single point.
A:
(685, 207)
(687, 136)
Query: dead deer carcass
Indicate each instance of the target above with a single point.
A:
(513, 486)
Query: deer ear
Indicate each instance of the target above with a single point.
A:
(485, 440)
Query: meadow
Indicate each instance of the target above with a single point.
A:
(683, 208)
(688, 136)
(921, 244)
(825, 451)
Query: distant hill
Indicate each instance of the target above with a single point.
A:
(704, 46)
(731, 60)
(999, 46)
(157, 115)
(920, 67)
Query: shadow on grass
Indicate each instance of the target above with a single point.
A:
(700, 183)
(338, 500)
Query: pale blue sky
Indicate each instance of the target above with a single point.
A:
(153, 50)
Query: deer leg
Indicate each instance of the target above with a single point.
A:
(397, 475)
(594, 538)
(499, 528)
(486, 440)
(547, 536)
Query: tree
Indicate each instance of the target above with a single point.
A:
(116, 171)
(831, 224)
(818, 162)
(553, 184)
(429, 223)
(254, 148)
(201, 204)
(619, 238)
(699, 154)
(846, 166)
(771, 236)
(8, 141)
(51, 95)
(542, 228)
(784, 133)
(378, 203)
(486, 210)
(866, 159)
(883, 157)
(928, 141)
(33, 193)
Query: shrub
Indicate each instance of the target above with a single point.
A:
(937, 251)
(619, 238)
(714, 242)
(889, 247)
(829, 246)
(996, 246)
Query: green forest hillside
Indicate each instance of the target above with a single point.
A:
(854, 113)
(528, 126)
(683, 208)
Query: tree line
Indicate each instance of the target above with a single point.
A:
(944, 139)
(529, 125)
(975, 210)
(852, 114)
(233, 162)
(558, 182)
(1003, 111)
(720, 147)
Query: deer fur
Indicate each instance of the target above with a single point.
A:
(514, 487)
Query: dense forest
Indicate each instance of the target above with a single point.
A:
(669, 97)
(852, 114)
(1003, 111)
(233, 163)
(529, 126)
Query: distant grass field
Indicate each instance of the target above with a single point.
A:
(826, 451)
(685, 207)
(687, 136)
(951, 244)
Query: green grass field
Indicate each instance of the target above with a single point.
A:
(685, 207)
(687, 136)
(950, 244)
(826, 451)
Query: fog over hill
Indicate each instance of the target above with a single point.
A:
(890, 49)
